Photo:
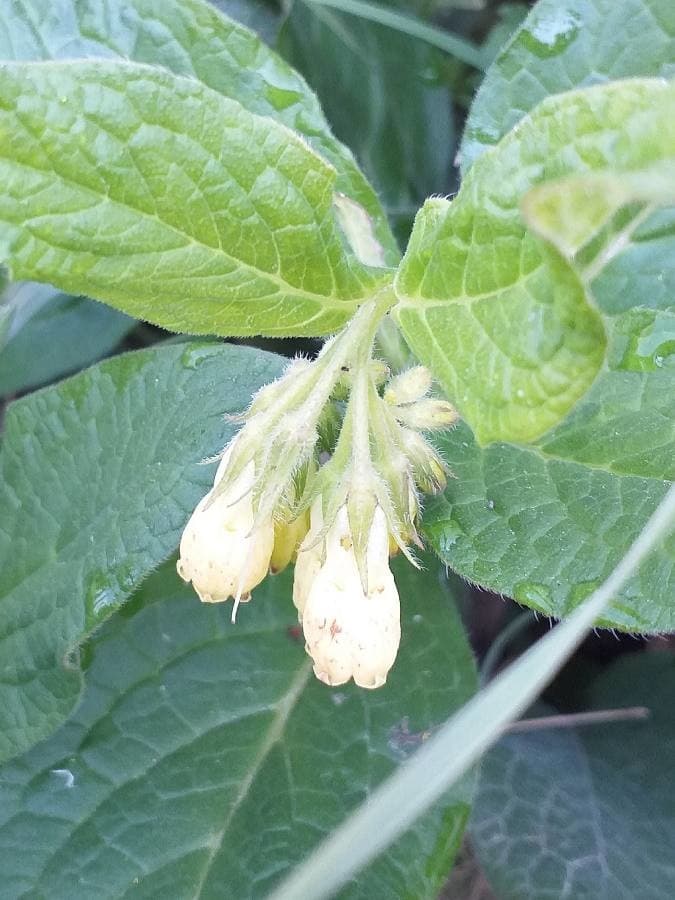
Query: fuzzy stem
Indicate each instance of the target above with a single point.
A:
(295, 417)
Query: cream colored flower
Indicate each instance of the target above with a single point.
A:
(310, 559)
(220, 553)
(351, 633)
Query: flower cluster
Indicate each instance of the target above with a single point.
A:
(326, 472)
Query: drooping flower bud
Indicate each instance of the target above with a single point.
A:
(349, 632)
(429, 470)
(408, 386)
(427, 414)
(287, 539)
(220, 551)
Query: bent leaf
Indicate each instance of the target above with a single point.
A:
(172, 203)
(581, 212)
(221, 733)
(508, 327)
(98, 476)
(189, 37)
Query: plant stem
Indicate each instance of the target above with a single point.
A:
(577, 720)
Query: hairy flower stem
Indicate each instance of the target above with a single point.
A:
(294, 420)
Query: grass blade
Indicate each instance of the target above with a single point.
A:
(463, 739)
(462, 49)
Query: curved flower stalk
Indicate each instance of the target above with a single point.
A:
(340, 436)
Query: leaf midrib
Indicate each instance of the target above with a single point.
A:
(285, 707)
(283, 286)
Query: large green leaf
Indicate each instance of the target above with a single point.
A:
(191, 38)
(163, 198)
(547, 524)
(97, 478)
(381, 92)
(510, 329)
(562, 45)
(54, 334)
(205, 759)
(587, 814)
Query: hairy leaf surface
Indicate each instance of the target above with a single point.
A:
(205, 759)
(161, 197)
(547, 524)
(97, 478)
(190, 38)
(512, 331)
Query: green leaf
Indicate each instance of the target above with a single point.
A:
(586, 813)
(564, 44)
(174, 204)
(461, 741)
(97, 478)
(188, 37)
(56, 334)
(381, 92)
(582, 212)
(261, 16)
(220, 733)
(510, 330)
(547, 524)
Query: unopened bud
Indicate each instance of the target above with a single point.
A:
(409, 386)
(287, 538)
(220, 552)
(352, 633)
(427, 414)
(429, 470)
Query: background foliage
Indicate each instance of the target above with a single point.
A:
(123, 703)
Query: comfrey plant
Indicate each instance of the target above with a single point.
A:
(496, 402)
(364, 499)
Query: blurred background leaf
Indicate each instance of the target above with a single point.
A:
(588, 813)
(53, 334)
(383, 94)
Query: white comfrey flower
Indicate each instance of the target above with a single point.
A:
(220, 553)
(310, 559)
(350, 633)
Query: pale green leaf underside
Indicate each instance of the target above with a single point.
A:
(506, 325)
(163, 198)
(573, 212)
(221, 733)
(191, 38)
(599, 799)
(97, 478)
